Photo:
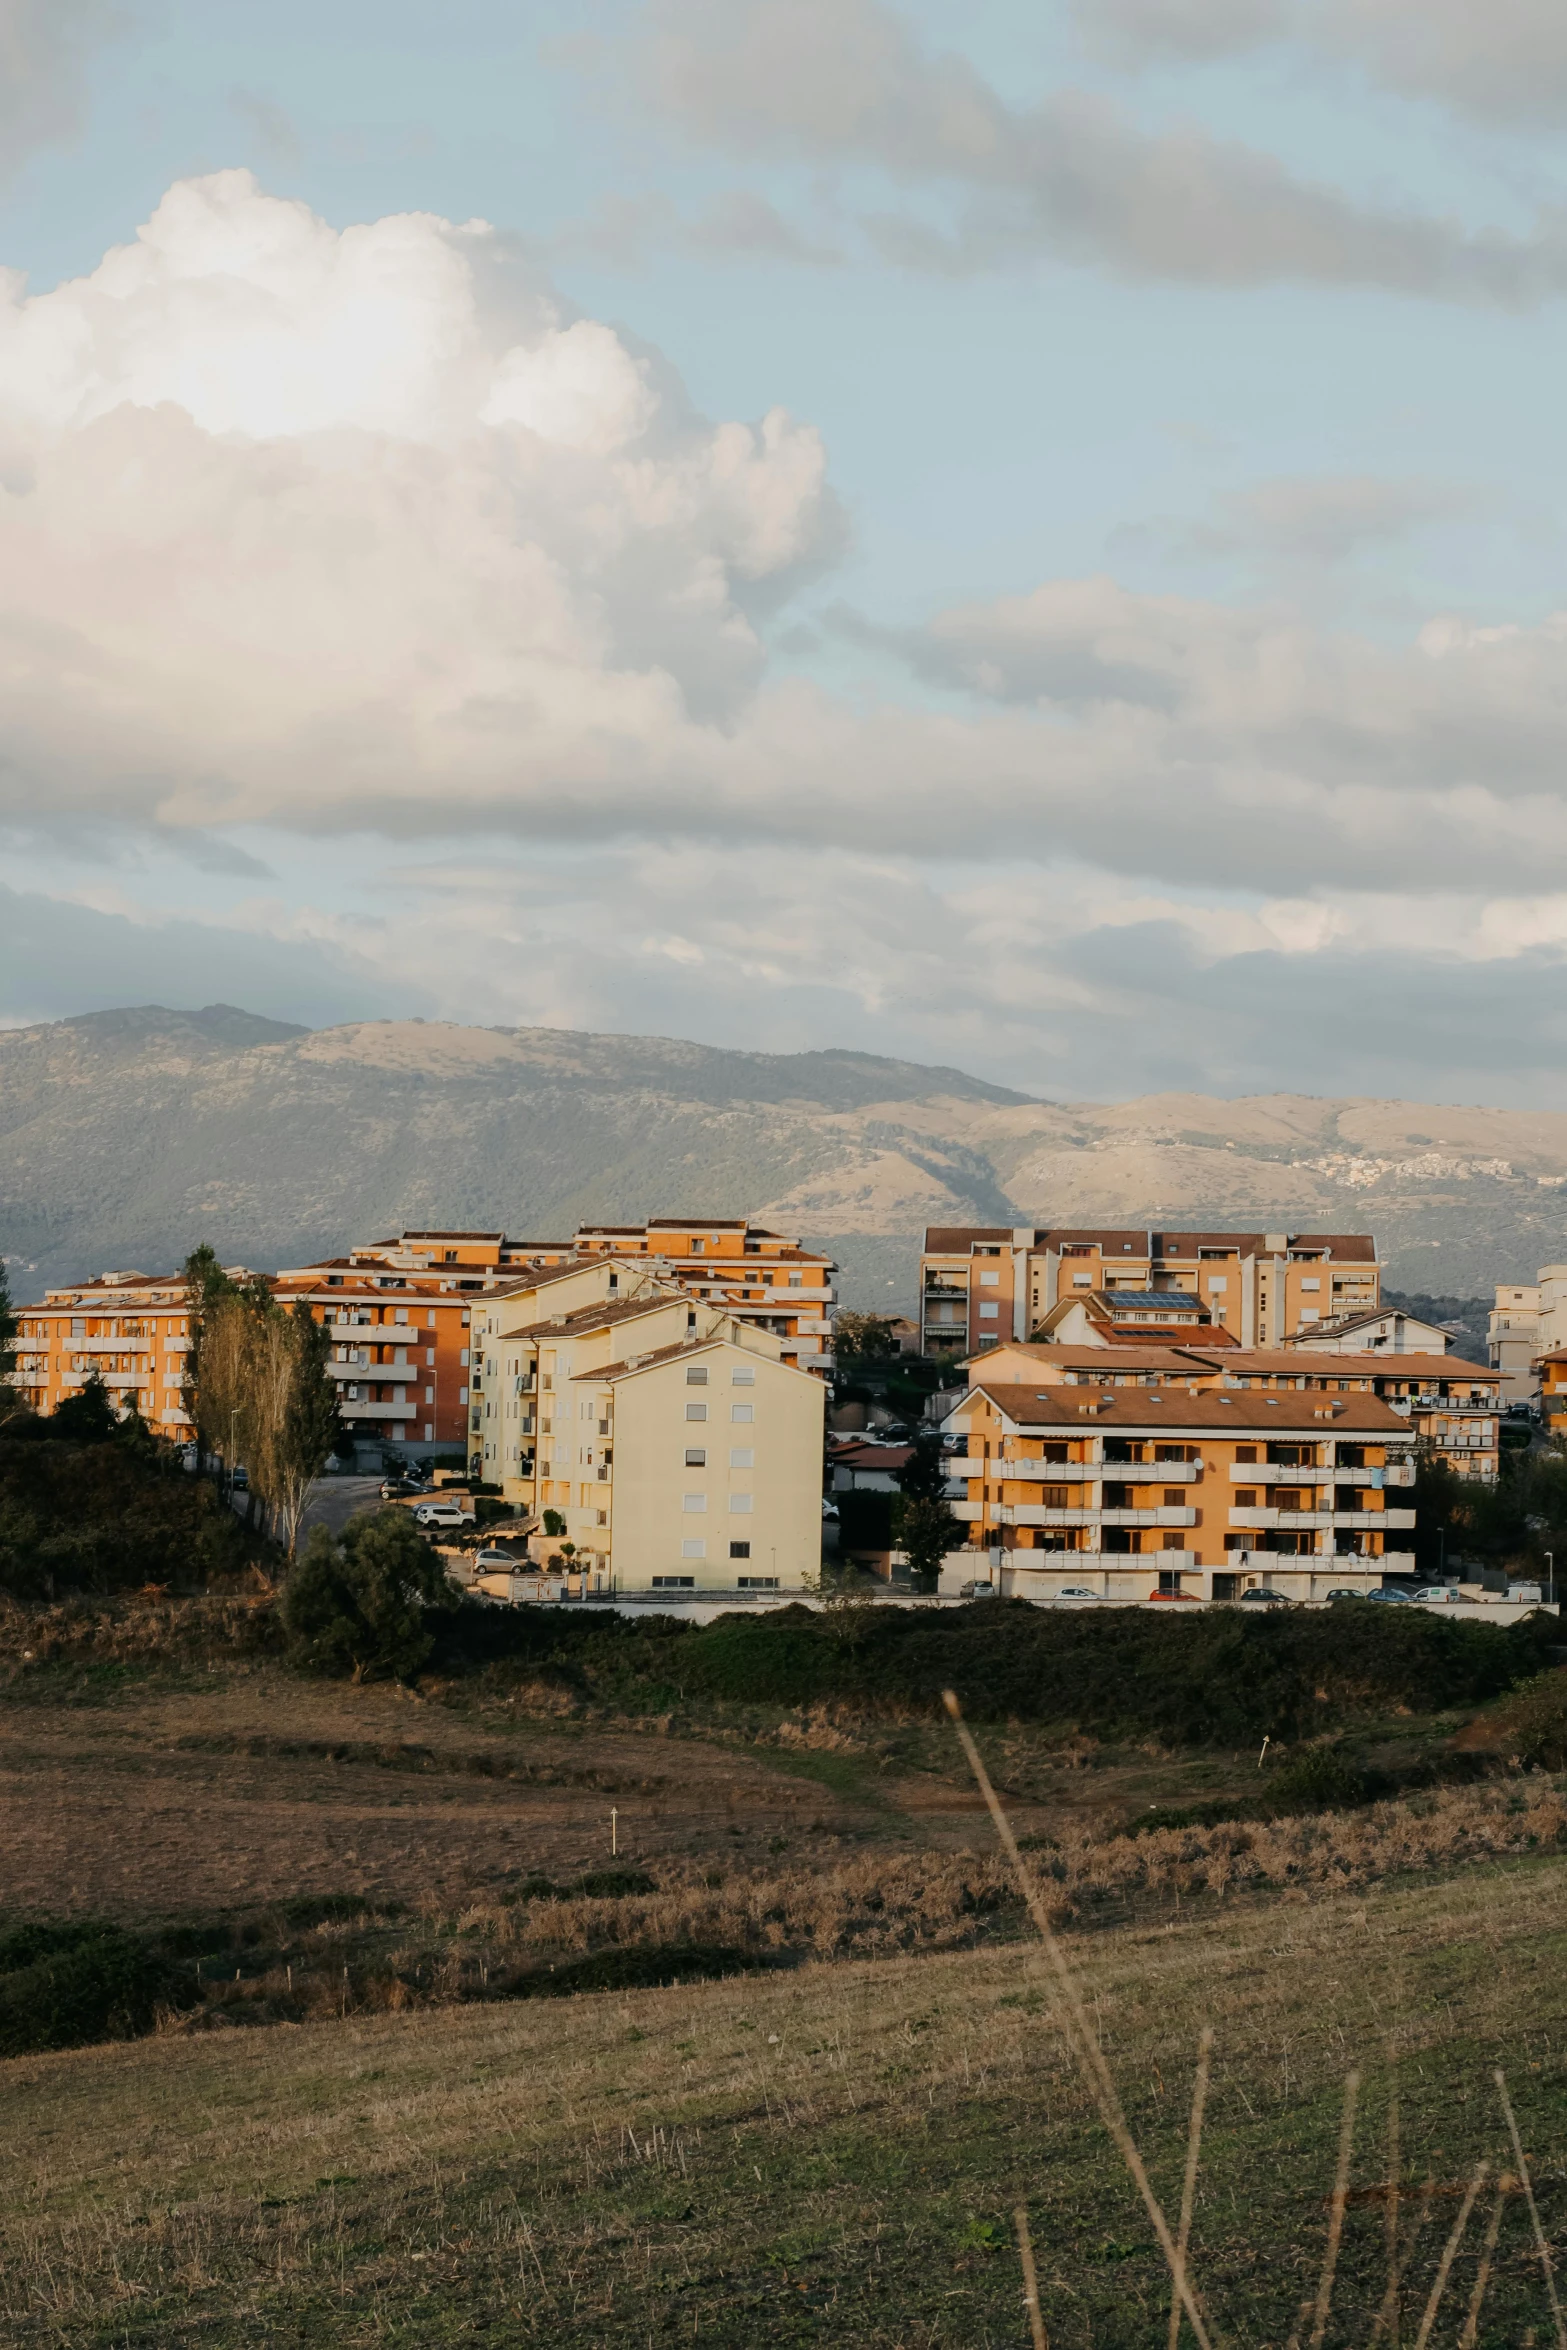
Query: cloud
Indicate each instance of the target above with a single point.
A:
(1310, 520)
(1505, 62)
(845, 83)
(318, 525)
(44, 47)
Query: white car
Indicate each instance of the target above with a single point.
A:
(1076, 1591)
(1436, 1594)
(443, 1513)
(498, 1562)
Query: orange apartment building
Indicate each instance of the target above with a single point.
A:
(1448, 1405)
(980, 1284)
(400, 1313)
(131, 1328)
(1182, 1491)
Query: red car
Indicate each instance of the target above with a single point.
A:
(1172, 1595)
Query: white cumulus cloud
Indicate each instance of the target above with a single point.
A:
(305, 523)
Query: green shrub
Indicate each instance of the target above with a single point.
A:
(1534, 1724)
(1321, 1779)
(635, 1967)
(358, 1603)
(80, 1984)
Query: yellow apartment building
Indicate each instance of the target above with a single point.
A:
(1183, 1492)
(679, 1449)
(980, 1284)
(766, 1280)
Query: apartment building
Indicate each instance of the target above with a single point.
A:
(677, 1446)
(131, 1328)
(979, 1283)
(1513, 1340)
(1448, 1405)
(1186, 1492)
(765, 1279)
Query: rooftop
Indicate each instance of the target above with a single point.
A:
(1211, 1409)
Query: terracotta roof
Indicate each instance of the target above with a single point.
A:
(1211, 1408)
(693, 1347)
(1134, 1241)
(597, 1317)
(873, 1456)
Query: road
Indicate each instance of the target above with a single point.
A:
(333, 1501)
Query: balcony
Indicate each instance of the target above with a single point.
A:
(945, 1289)
(1023, 1513)
(1347, 1521)
(379, 1411)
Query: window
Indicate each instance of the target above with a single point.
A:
(1055, 1497)
(1311, 1282)
(677, 1582)
(697, 1246)
(990, 1280)
(401, 1315)
(1245, 1452)
(739, 1550)
(1082, 1281)
(1246, 1498)
(743, 1375)
(696, 1456)
(741, 1456)
(696, 1374)
(1174, 1499)
(757, 1582)
(696, 1411)
(693, 1550)
(694, 1501)
(796, 1281)
(740, 1411)
(740, 1504)
(988, 1313)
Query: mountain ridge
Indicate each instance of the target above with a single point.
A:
(128, 1134)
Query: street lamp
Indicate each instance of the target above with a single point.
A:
(1550, 1587)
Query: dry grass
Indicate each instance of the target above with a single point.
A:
(830, 2154)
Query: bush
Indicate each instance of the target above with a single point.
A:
(1321, 1779)
(104, 1517)
(635, 1967)
(65, 1986)
(358, 1604)
(1534, 1726)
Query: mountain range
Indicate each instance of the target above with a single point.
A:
(127, 1136)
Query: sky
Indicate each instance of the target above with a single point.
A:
(1031, 539)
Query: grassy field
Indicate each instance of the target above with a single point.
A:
(831, 2155)
(827, 2149)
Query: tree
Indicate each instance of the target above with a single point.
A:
(10, 1402)
(290, 1408)
(923, 1527)
(860, 1339)
(88, 1418)
(924, 1531)
(357, 1602)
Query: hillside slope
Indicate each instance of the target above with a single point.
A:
(126, 1135)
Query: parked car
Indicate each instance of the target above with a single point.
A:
(1346, 1592)
(398, 1488)
(829, 1513)
(1172, 1594)
(1390, 1598)
(443, 1513)
(491, 1562)
(239, 1482)
(1261, 1596)
(1529, 1593)
(982, 1589)
(1076, 1591)
(1436, 1594)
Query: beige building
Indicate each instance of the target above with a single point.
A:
(1513, 1338)
(980, 1284)
(674, 1445)
(1183, 1492)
